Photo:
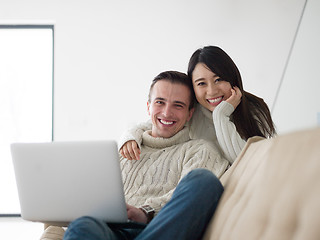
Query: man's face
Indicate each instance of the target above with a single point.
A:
(169, 108)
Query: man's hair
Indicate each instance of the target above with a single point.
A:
(176, 78)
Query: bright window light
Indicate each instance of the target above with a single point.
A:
(26, 87)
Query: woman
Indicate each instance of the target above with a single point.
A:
(225, 114)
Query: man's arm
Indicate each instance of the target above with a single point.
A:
(136, 214)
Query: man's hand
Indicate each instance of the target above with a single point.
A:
(130, 150)
(136, 214)
(235, 97)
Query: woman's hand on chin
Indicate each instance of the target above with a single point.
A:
(235, 97)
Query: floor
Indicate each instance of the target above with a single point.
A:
(13, 228)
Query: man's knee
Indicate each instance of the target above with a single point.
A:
(202, 175)
(205, 179)
(86, 227)
(84, 221)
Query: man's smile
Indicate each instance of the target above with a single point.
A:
(166, 122)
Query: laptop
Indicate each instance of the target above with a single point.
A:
(60, 181)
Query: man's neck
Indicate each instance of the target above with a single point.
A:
(157, 142)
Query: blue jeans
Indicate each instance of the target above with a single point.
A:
(185, 216)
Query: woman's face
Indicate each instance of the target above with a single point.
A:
(209, 88)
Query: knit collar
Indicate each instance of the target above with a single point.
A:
(180, 137)
(205, 111)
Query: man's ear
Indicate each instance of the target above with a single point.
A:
(148, 107)
(191, 111)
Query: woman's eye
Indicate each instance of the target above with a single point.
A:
(218, 80)
(200, 84)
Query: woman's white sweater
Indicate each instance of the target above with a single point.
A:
(163, 163)
(216, 127)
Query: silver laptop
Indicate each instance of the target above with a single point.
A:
(60, 181)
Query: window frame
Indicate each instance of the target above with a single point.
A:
(35, 26)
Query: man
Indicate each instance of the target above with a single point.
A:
(166, 182)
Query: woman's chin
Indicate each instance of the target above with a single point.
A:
(210, 107)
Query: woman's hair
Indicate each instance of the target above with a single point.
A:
(176, 78)
(252, 116)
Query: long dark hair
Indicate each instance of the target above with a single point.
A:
(252, 116)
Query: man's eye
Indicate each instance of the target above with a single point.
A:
(158, 102)
(201, 84)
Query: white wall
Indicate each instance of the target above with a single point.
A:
(107, 52)
(298, 104)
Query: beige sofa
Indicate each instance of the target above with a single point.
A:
(272, 191)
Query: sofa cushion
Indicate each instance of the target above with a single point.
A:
(272, 191)
(53, 233)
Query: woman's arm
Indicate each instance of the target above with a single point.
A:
(228, 138)
(130, 141)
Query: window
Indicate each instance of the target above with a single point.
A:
(26, 97)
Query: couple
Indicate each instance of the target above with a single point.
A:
(166, 181)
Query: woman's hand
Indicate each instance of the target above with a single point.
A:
(130, 150)
(235, 97)
(136, 214)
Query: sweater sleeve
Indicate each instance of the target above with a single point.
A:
(134, 133)
(229, 139)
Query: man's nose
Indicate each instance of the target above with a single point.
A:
(167, 111)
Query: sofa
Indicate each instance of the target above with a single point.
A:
(272, 191)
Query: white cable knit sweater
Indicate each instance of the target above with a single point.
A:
(163, 163)
(215, 127)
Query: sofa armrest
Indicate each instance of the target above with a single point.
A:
(272, 191)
